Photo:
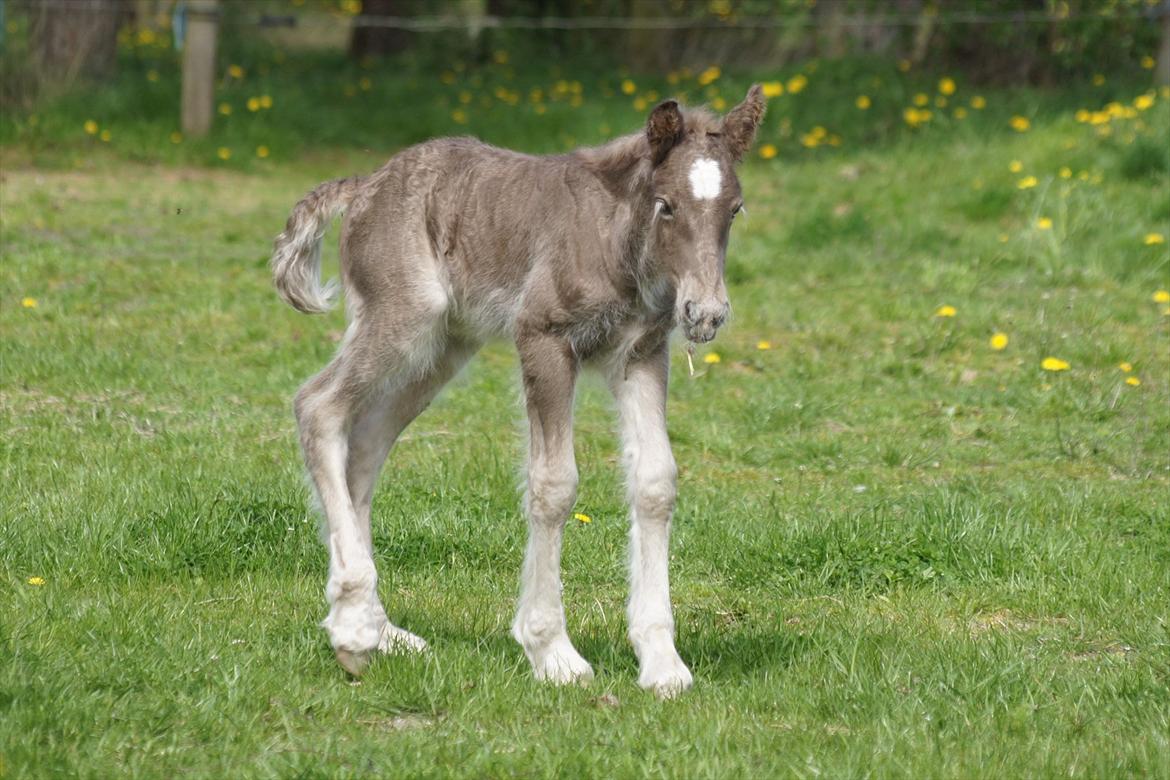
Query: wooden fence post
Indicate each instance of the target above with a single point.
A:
(199, 66)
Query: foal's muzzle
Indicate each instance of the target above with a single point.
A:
(701, 320)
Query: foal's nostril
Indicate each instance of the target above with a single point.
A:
(691, 311)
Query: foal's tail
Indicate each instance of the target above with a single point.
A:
(296, 257)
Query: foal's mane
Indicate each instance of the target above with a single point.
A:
(616, 161)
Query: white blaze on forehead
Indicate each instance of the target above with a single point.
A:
(706, 179)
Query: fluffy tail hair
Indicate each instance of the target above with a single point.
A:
(296, 257)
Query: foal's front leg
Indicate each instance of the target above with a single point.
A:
(640, 391)
(550, 372)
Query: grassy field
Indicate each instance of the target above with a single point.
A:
(901, 549)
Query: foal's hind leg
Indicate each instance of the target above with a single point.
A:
(327, 407)
(371, 438)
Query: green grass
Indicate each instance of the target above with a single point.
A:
(897, 551)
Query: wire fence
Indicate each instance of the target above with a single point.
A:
(782, 19)
(438, 23)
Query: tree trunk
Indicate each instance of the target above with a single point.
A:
(1162, 74)
(923, 32)
(380, 41)
(830, 21)
(76, 38)
(649, 48)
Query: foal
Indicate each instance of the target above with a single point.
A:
(588, 258)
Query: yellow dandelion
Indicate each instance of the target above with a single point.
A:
(253, 104)
(797, 83)
(225, 109)
(947, 86)
(921, 99)
(1054, 364)
(365, 83)
(223, 153)
(768, 151)
(960, 113)
(629, 87)
(915, 117)
(863, 102)
(763, 345)
(1125, 367)
(105, 136)
(945, 311)
(978, 102)
(719, 104)
(1015, 166)
(710, 75)
(91, 127)
(266, 101)
(999, 341)
(1098, 79)
(1133, 381)
(1143, 102)
(1154, 238)
(904, 65)
(1027, 183)
(1020, 124)
(1162, 296)
(501, 57)
(235, 71)
(1044, 223)
(152, 75)
(28, 303)
(584, 518)
(176, 137)
(712, 357)
(773, 89)
(1066, 172)
(459, 116)
(36, 582)
(1147, 62)
(262, 151)
(640, 103)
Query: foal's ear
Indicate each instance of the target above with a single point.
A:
(664, 129)
(739, 126)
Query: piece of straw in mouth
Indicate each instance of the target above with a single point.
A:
(691, 357)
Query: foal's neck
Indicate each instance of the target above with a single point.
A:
(624, 168)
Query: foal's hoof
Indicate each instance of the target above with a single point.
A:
(562, 666)
(668, 679)
(399, 641)
(354, 663)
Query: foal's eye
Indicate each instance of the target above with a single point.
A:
(663, 208)
(736, 211)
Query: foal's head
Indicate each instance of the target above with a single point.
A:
(697, 196)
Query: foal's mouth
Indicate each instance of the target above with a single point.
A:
(700, 322)
(700, 333)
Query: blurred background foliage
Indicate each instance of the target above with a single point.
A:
(383, 73)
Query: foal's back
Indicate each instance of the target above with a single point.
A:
(488, 227)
